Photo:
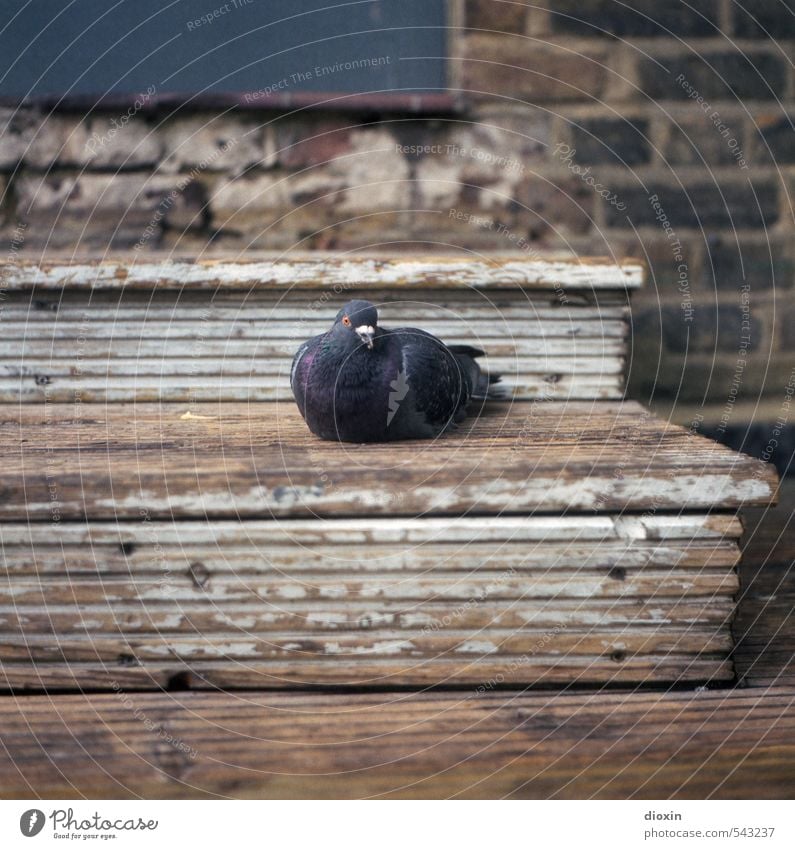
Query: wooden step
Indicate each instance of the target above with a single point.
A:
(472, 745)
(210, 331)
(368, 602)
(123, 461)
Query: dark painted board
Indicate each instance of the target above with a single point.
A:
(96, 49)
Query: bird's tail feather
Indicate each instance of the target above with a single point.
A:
(483, 382)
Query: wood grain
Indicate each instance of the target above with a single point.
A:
(326, 271)
(542, 670)
(412, 601)
(195, 345)
(686, 745)
(765, 624)
(63, 462)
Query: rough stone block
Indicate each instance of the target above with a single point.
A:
(208, 142)
(65, 140)
(302, 142)
(375, 172)
(249, 202)
(17, 128)
(113, 142)
(774, 141)
(95, 210)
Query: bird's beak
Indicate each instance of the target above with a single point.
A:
(366, 334)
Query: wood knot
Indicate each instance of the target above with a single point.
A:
(199, 574)
(127, 548)
(618, 655)
(617, 573)
(180, 681)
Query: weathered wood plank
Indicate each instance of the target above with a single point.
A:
(198, 386)
(326, 272)
(53, 366)
(286, 333)
(454, 314)
(378, 533)
(189, 344)
(557, 583)
(496, 644)
(244, 460)
(765, 625)
(541, 746)
(141, 559)
(77, 351)
(355, 615)
(541, 670)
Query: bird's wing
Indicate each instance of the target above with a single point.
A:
(299, 372)
(432, 373)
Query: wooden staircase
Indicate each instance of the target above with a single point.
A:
(169, 524)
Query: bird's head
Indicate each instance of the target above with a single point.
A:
(356, 324)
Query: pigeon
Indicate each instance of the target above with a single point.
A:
(359, 382)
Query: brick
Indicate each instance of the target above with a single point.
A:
(664, 269)
(715, 76)
(513, 67)
(640, 18)
(719, 328)
(214, 143)
(696, 141)
(774, 19)
(563, 208)
(786, 327)
(304, 142)
(611, 141)
(698, 205)
(768, 263)
(495, 15)
(698, 378)
(774, 142)
(714, 329)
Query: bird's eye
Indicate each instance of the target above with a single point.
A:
(346, 321)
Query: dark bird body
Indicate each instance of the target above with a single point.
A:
(363, 383)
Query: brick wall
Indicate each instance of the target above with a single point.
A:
(653, 130)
